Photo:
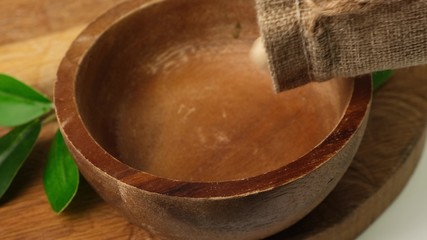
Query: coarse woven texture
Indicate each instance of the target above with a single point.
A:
(315, 40)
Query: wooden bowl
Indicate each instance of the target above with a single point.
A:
(171, 123)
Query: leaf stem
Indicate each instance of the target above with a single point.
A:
(49, 117)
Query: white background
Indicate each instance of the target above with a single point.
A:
(406, 218)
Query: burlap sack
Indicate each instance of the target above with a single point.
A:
(315, 40)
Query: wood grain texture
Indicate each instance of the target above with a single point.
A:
(389, 152)
(24, 19)
(384, 162)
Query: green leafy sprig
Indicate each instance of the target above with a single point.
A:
(380, 78)
(25, 111)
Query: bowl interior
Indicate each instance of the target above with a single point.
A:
(170, 90)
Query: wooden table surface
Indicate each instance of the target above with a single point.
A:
(34, 35)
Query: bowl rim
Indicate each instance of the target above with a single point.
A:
(80, 141)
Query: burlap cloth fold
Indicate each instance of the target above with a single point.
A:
(315, 40)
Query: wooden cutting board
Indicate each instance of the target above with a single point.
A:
(34, 35)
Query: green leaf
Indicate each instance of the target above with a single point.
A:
(10, 85)
(61, 176)
(20, 103)
(379, 78)
(15, 147)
